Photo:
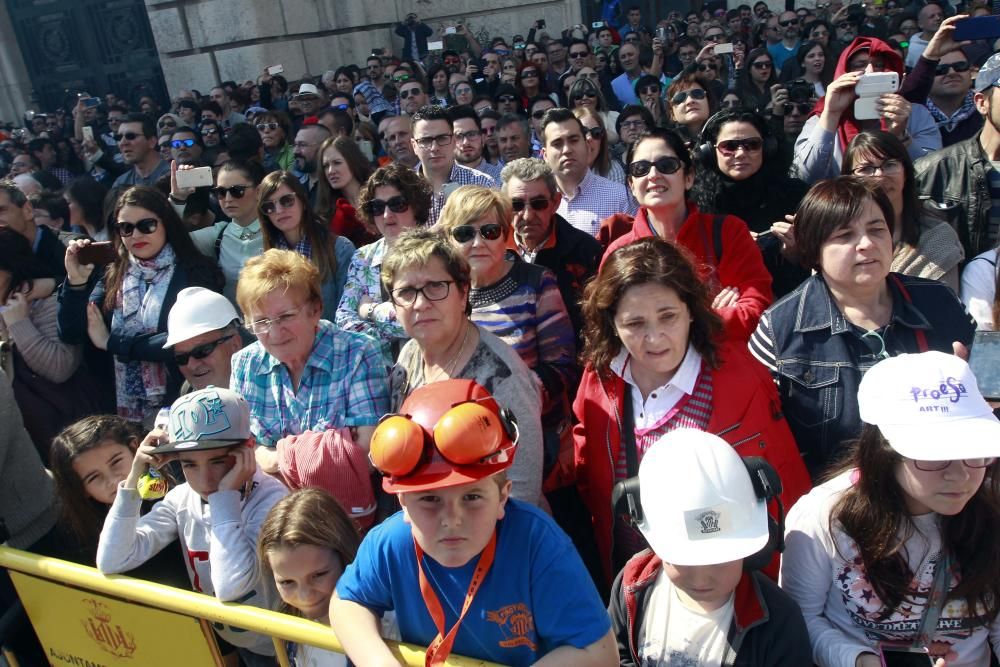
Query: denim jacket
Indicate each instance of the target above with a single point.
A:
(817, 357)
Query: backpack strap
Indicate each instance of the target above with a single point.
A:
(218, 242)
(628, 433)
(919, 333)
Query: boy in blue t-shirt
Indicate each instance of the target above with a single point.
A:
(467, 569)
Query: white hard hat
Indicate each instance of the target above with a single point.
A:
(197, 311)
(698, 502)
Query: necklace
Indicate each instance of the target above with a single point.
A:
(450, 368)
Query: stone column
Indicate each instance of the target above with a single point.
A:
(204, 42)
(15, 86)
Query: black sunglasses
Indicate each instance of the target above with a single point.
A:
(505, 99)
(209, 131)
(704, 67)
(803, 107)
(762, 64)
(789, 22)
(594, 132)
(201, 351)
(664, 165)
(409, 92)
(127, 136)
(694, 94)
(538, 115)
(397, 204)
(942, 70)
(465, 233)
(286, 201)
(536, 204)
(589, 94)
(177, 143)
(236, 191)
(145, 226)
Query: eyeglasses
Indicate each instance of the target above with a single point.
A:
(433, 290)
(167, 123)
(236, 191)
(145, 226)
(959, 67)
(938, 466)
(789, 22)
(409, 92)
(593, 132)
(704, 67)
(397, 204)
(209, 131)
(463, 91)
(575, 55)
(538, 115)
(536, 204)
(650, 90)
(340, 107)
(177, 143)
(633, 124)
(803, 107)
(589, 94)
(285, 201)
(694, 94)
(266, 126)
(888, 167)
(126, 136)
(529, 74)
(402, 78)
(467, 136)
(261, 327)
(730, 146)
(715, 37)
(440, 140)
(762, 64)
(201, 351)
(664, 165)
(491, 231)
(505, 99)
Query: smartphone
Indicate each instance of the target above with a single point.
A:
(91, 102)
(597, 24)
(977, 27)
(984, 360)
(435, 46)
(366, 149)
(377, 52)
(661, 34)
(88, 133)
(194, 178)
(541, 24)
(275, 69)
(722, 49)
(98, 252)
(869, 88)
(450, 30)
(904, 656)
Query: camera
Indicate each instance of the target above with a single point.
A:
(800, 90)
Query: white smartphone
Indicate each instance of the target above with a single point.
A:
(722, 49)
(275, 69)
(88, 133)
(450, 30)
(435, 46)
(194, 178)
(869, 88)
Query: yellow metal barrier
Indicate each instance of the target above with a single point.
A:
(198, 606)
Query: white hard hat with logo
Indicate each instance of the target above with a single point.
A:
(699, 506)
(198, 311)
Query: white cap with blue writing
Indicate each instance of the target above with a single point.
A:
(929, 408)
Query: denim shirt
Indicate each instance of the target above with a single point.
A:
(817, 357)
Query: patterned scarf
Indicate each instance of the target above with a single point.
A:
(142, 385)
(946, 122)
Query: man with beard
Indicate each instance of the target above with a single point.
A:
(470, 145)
(307, 143)
(136, 139)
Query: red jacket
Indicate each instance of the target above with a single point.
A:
(741, 265)
(746, 412)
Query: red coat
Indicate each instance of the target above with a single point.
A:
(746, 412)
(741, 266)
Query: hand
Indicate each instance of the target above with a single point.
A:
(840, 94)
(868, 660)
(943, 41)
(785, 232)
(707, 51)
(657, 47)
(17, 308)
(471, 71)
(144, 458)
(177, 192)
(779, 96)
(960, 350)
(267, 459)
(77, 273)
(90, 147)
(895, 110)
(96, 328)
(242, 471)
(727, 296)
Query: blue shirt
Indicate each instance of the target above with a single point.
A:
(536, 597)
(781, 54)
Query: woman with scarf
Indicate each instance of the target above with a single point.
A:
(819, 150)
(122, 307)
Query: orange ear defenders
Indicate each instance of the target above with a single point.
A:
(458, 419)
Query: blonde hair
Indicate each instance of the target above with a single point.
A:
(472, 202)
(276, 270)
(307, 517)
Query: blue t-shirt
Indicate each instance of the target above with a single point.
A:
(536, 597)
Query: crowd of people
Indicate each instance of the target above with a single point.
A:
(627, 344)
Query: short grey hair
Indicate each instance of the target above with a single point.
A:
(514, 119)
(527, 169)
(17, 198)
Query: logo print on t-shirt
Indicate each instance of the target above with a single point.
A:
(517, 625)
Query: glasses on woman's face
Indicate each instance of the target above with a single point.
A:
(236, 191)
(589, 94)
(433, 290)
(463, 90)
(694, 94)
(664, 165)
(529, 74)
(938, 466)
(266, 126)
(209, 131)
(649, 90)
(145, 226)
(886, 168)
(396, 204)
(762, 64)
(491, 231)
(730, 104)
(705, 67)
(594, 133)
(285, 201)
(729, 147)
(264, 326)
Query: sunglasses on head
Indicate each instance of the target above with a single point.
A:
(201, 351)
(959, 67)
(397, 204)
(694, 94)
(536, 204)
(491, 231)
(236, 191)
(730, 146)
(266, 126)
(285, 201)
(145, 226)
(127, 136)
(664, 165)
(177, 143)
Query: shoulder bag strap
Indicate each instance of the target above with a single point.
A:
(919, 333)
(628, 434)
(935, 603)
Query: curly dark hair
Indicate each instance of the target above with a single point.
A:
(414, 188)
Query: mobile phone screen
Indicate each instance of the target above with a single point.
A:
(984, 360)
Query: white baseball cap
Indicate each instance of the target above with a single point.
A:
(698, 502)
(210, 418)
(307, 89)
(197, 311)
(929, 408)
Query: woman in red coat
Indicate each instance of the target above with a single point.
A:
(656, 362)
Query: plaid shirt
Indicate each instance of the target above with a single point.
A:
(460, 175)
(595, 199)
(344, 384)
(303, 247)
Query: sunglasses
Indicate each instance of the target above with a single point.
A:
(266, 126)
(168, 123)
(463, 91)
(529, 74)
(236, 191)
(694, 94)
(589, 94)
(789, 22)
(593, 132)
(762, 64)
(126, 136)
(958, 67)
(409, 92)
(664, 165)
(209, 131)
(649, 90)
(538, 115)
(704, 67)
(145, 226)
(575, 55)
(730, 146)
(397, 204)
(465, 233)
(401, 79)
(536, 204)
(286, 201)
(505, 99)
(713, 38)
(804, 108)
(201, 351)
(177, 143)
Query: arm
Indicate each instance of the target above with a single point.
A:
(39, 343)
(474, 45)
(599, 654)
(140, 347)
(813, 153)
(979, 289)
(924, 134)
(357, 628)
(557, 367)
(917, 84)
(742, 266)
(619, 623)
(520, 394)
(762, 345)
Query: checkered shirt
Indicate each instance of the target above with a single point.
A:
(595, 199)
(462, 176)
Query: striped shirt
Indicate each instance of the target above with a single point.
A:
(344, 384)
(595, 199)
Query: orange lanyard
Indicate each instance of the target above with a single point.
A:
(440, 648)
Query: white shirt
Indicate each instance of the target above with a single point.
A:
(648, 412)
